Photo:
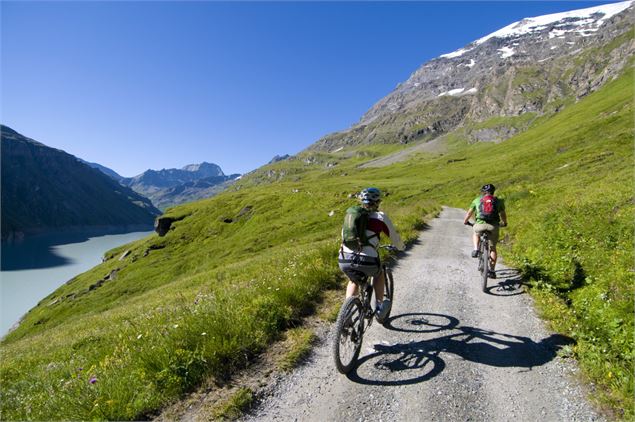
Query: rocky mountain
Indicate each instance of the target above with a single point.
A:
(107, 171)
(48, 189)
(528, 68)
(176, 186)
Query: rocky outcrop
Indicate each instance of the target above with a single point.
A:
(162, 225)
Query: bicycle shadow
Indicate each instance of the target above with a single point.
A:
(418, 361)
(509, 283)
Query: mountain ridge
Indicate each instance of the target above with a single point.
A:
(46, 189)
(486, 79)
(169, 187)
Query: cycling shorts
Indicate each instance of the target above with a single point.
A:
(493, 232)
(357, 266)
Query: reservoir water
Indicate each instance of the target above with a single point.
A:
(39, 265)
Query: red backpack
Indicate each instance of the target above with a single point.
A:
(488, 209)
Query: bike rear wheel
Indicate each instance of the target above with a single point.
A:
(485, 262)
(348, 334)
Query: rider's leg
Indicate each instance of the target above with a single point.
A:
(351, 289)
(378, 284)
(475, 240)
(493, 256)
(494, 234)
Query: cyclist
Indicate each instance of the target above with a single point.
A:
(366, 260)
(487, 219)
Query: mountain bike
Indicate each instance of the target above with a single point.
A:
(483, 256)
(484, 264)
(356, 315)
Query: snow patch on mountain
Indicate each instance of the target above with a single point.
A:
(458, 91)
(456, 53)
(585, 21)
(581, 17)
(506, 52)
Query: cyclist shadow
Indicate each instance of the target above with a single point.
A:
(509, 283)
(418, 361)
(394, 260)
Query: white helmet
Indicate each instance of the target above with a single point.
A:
(370, 196)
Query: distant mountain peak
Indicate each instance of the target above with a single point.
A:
(204, 166)
(174, 186)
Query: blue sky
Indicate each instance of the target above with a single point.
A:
(139, 85)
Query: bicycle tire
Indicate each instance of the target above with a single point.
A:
(485, 258)
(348, 334)
(389, 291)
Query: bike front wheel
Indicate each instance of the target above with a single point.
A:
(348, 334)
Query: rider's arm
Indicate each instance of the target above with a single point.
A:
(503, 216)
(468, 216)
(395, 239)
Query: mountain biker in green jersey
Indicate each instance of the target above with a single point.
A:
(489, 213)
(365, 262)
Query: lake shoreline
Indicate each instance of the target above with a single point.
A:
(19, 236)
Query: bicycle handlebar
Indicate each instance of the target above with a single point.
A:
(469, 223)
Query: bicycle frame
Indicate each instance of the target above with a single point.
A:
(484, 263)
(484, 258)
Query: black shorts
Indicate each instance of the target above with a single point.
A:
(357, 266)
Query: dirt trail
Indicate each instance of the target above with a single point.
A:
(450, 353)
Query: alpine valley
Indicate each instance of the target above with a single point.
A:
(542, 108)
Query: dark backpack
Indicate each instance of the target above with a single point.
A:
(354, 228)
(488, 209)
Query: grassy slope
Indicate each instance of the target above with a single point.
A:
(211, 294)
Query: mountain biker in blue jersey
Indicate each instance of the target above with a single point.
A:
(366, 260)
(487, 219)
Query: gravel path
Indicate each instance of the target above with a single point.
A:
(450, 352)
(435, 146)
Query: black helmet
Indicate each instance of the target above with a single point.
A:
(489, 188)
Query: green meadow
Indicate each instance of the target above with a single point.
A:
(239, 269)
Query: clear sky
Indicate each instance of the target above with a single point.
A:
(139, 85)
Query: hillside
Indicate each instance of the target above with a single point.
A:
(197, 302)
(47, 189)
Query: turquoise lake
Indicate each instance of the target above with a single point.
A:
(36, 267)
